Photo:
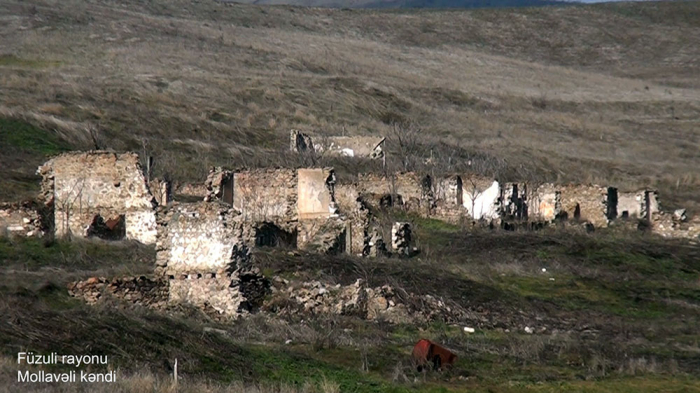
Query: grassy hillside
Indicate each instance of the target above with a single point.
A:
(604, 93)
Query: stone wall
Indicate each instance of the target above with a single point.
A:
(323, 235)
(198, 191)
(676, 226)
(359, 300)
(266, 195)
(21, 219)
(204, 237)
(585, 203)
(544, 203)
(530, 202)
(161, 190)
(636, 205)
(448, 194)
(410, 190)
(316, 197)
(401, 238)
(219, 185)
(203, 250)
(141, 290)
(351, 205)
(83, 186)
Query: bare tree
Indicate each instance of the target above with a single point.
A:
(406, 138)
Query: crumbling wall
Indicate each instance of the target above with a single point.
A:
(544, 203)
(480, 197)
(161, 190)
(316, 195)
(300, 142)
(219, 185)
(448, 199)
(21, 219)
(676, 225)
(375, 246)
(448, 191)
(359, 300)
(203, 250)
(629, 204)
(323, 236)
(141, 290)
(194, 191)
(401, 238)
(80, 186)
(200, 238)
(266, 195)
(585, 203)
(407, 189)
(351, 205)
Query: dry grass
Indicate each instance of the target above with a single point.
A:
(611, 98)
(146, 382)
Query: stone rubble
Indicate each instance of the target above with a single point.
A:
(357, 299)
(21, 219)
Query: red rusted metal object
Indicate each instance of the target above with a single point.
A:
(427, 352)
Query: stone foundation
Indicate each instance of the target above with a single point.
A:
(21, 219)
(139, 290)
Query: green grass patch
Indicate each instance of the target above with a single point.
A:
(18, 134)
(33, 254)
(14, 61)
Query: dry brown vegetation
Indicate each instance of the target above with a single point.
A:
(605, 93)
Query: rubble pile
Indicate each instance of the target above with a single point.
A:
(357, 299)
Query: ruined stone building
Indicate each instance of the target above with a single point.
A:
(350, 146)
(293, 207)
(594, 204)
(641, 204)
(203, 252)
(100, 194)
(408, 189)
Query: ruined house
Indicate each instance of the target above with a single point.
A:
(100, 194)
(203, 252)
(448, 202)
(641, 204)
(293, 207)
(407, 189)
(161, 190)
(537, 203)
(349, 146)
(585, 203)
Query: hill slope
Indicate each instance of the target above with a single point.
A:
(606, 93)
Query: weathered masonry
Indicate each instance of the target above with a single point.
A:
(99, 193)
(203, 251)
(290, 207)
(350, 146)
